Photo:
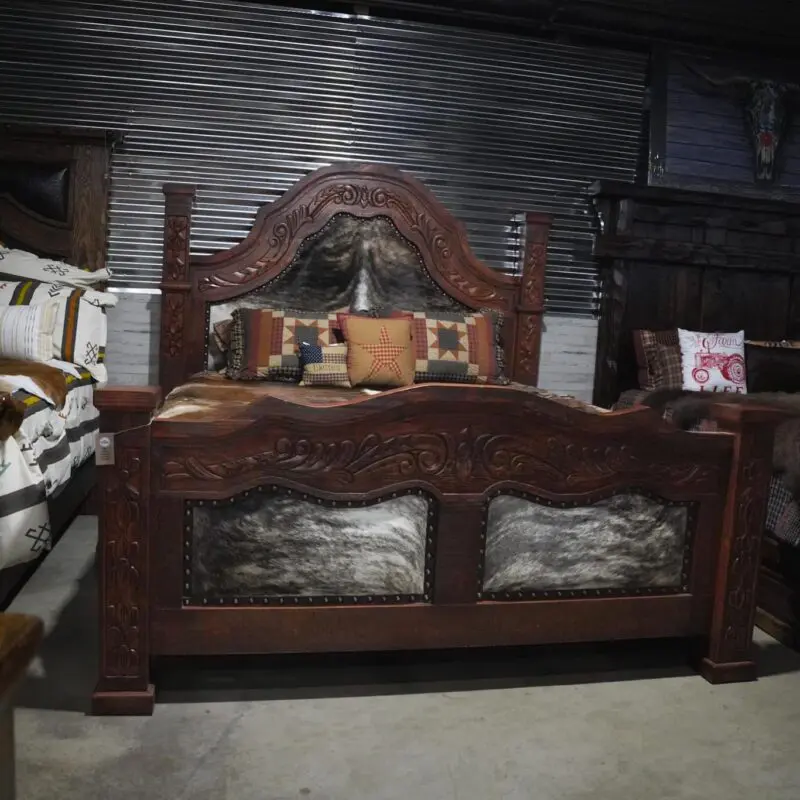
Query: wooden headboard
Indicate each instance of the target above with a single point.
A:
(354, 235)
(703, 261)
(54, 192)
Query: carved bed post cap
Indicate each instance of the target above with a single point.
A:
(179, 198)
(179, 188)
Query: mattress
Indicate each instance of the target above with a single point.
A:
(50, 445)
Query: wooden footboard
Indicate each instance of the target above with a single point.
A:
(497, 502)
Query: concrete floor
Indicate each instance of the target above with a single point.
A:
(593, 723)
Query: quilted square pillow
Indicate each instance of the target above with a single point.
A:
(324, 365)
(265, 343)
(379, 351)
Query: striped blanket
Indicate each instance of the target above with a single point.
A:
(40, 457)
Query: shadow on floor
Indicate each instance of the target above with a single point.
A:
(63, 677)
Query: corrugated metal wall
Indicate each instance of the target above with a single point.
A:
(243, 99)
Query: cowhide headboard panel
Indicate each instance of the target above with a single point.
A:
(54, 192)
(347, 236)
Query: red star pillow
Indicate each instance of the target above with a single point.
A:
(379, 351)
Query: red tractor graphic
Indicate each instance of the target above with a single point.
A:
(731, 367)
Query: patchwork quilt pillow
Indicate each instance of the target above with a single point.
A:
(713, 362)
(324, 365)
(453, 347)
(265, 343)
(379, 351)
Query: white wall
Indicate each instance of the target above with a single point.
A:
(567, 365)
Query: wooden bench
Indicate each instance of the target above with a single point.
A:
(19, 637)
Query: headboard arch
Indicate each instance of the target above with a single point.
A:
(192, 284)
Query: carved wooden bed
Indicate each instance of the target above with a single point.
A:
(712, 262)
(53, 202)
(453, 464)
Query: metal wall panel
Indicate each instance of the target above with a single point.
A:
(243, 99)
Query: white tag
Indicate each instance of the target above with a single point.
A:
(104, 450)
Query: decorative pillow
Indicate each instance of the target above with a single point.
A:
(773, 366)
(26, 332)
(324, 365)
(80, 335)
(713, 362)
(265, 343)
(667, 367)
(81, 328)
(648, 348)
(379, 351)
(455, 347)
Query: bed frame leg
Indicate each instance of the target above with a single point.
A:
(730, 653)
(123, 685)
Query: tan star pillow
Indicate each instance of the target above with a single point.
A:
(379, 351)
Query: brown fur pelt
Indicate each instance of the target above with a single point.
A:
(12, 412)
(52, 380)
(690, 408)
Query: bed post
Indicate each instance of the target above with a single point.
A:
(123, 457)
(175, 285)
(530, 299)
(730, 653)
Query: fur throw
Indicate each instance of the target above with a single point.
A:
(691, 408)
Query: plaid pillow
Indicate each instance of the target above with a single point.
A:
(667, 367)
(645, 345)
(324, 365)
(265, 343)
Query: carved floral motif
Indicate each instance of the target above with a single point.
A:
(173, 322)
(176, 248)
(122, 553)
(528, 347)
(533, 276)
(444, 247)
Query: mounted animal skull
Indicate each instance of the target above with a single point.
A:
(767, 106)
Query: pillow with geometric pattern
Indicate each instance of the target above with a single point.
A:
(265, 343)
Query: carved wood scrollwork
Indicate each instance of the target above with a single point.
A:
(123, 568)
(467, 455)
(443, 245)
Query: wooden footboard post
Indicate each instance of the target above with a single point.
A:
(123, 456)
(730, 655)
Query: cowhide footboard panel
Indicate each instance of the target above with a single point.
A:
(628, 543)
(281, 544)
